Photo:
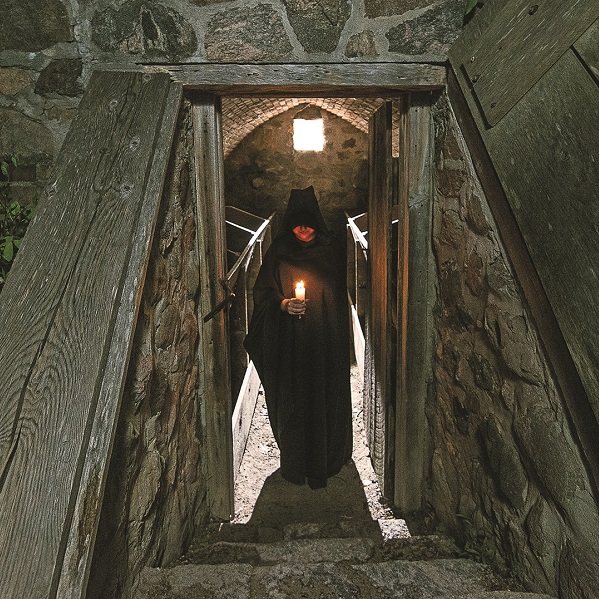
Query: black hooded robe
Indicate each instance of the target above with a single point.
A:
(304, 363)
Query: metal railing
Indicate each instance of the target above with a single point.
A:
(248, 238)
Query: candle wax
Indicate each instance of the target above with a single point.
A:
(300, 291)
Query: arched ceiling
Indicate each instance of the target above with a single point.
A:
(242, 115)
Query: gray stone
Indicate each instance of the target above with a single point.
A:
(61, 77)
(509, 474)
(247, 34)
(318, 24)
(146, 29)
(438, 578)
(485, 374)
(317, 550)
(514, 339)
(25, 137)
(13, 81)
(361, 45)
(199, 581)
(550, 450)
(207, 2)
(28, 28)
(388, 8)
(324, 580)
(430, 33)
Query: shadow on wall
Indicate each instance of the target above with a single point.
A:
(264, 167)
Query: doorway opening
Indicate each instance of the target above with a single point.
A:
(261, 166)
(397, 382)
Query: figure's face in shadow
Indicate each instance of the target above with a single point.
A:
(304, 233)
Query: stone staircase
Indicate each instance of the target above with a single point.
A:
(343, 560)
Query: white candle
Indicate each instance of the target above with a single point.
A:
(300, 291)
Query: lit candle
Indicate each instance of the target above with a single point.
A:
(300, 291)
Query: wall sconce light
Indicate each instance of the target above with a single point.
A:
(308, 130)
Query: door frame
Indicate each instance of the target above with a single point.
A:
(414, 359)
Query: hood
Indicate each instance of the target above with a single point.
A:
(303, 209)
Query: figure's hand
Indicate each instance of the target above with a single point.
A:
(294, 306)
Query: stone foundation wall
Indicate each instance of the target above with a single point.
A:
(507, 474)
(155, 496)
(49, 47)
(262, 170)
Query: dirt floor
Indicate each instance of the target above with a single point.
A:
(259, 473)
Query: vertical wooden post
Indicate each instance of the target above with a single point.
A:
(215, 382)
(416, 291)
(379, 395)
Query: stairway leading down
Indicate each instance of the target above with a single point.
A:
(301, 544)
(239, 563)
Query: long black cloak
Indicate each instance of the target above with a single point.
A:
(304, 363)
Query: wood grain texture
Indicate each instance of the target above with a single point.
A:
(587, 48)
(348, 79)
(521, 43)
(379, 400)
(77, 561)
(550, 173)
(243, 413)
(59, 323)
(215, 368)
(416, 363)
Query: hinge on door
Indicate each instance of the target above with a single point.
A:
(221, 305)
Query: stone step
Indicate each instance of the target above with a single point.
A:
(439, 579)
(317, 549)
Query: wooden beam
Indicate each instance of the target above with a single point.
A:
(243, 413)
(77, 280)
(215, 392)
(416, 268)
(379, 392)
(80, 544)
(328, 80)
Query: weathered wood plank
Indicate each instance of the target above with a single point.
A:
(402, 287)
(557, 125)
(561, 361)
(587, 48)
(462, 48)
(348, 79)
(379, 399)
(519, 46)
(215, 368)
(77, 561)
(62, 301)
(243, 413)
(418, 330)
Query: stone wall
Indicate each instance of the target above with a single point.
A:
(155, 497)
(49, 47)
(262, 170)
(507, 474)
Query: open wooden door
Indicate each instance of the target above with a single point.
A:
(68, 313)
(214, 339)
(379, 396)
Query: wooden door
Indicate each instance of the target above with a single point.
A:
(214, 337)
(379, 396)
(67, 318)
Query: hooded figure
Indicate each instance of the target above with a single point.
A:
(302, 350)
